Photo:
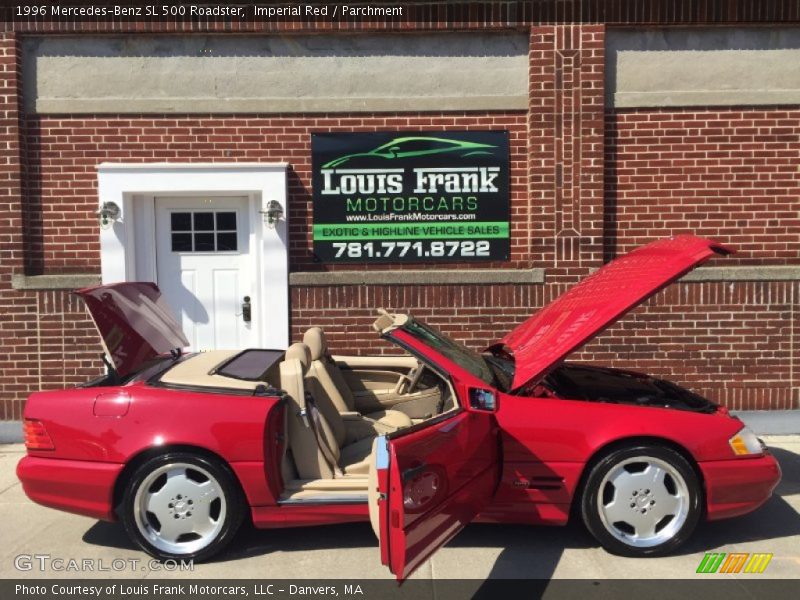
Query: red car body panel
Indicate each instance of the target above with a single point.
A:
(267, 517)
(736, 488)
(230, 426)
(77, 486)
(439, 478)
(599, 300)
(545, 443)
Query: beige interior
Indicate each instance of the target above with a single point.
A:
(422, 404)
(321, 444)
(372, 381)
(387, 321)
(391, 363)
(385, 384)
(195, 371)
(373, 494)
(332, 416)
(330, 446)
(328, 383)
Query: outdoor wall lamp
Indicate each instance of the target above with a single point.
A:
(273, 213)
(107, 214)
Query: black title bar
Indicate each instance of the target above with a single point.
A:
(245, 16)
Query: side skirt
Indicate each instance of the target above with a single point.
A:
(304, 514)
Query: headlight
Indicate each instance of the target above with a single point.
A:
(745, 443)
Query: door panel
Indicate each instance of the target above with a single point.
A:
(372, 380)
(189, 316)
(204, 268)
(227, 308)
(418, 405)
(401, 363)
(432, 482)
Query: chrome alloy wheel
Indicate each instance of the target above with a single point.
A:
(643, 501)
(180, 508)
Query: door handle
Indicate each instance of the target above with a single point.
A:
(409, 474)
(247, 310)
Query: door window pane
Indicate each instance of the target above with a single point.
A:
(203, 242)
(203, 221)
(226, 221)
(181, 221)
(181, 242)
(204, 231)
(226, 241)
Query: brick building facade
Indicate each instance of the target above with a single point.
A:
(595, 171)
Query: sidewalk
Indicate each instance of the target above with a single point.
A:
(479, 552)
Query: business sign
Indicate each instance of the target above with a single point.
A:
(411, 196)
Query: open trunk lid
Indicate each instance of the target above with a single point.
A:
(134, 322)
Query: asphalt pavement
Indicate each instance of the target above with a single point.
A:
(350, 551)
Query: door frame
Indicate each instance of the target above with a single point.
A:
(127, 248)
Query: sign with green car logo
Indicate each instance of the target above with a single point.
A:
(411, 196)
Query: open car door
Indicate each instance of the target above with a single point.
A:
(427, 482)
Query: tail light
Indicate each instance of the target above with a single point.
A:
(36, 436)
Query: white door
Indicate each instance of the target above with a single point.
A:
(205, 269)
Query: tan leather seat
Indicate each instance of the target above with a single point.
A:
(329, 383)
(309, 457)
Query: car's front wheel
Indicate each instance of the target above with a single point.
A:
(641, 501)
(181, 506)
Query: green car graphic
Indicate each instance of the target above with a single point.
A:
(404, 147)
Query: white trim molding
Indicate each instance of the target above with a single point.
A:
(127, 251)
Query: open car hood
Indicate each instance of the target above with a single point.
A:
(134, 322)
(575, 317)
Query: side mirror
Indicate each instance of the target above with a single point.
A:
(482, 400)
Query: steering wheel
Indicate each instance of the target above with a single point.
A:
(415, 377)
(408, 382)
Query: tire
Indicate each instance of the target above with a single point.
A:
(641, 501)
(182, 506)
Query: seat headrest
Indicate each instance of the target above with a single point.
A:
(314, 338)
(300, 352)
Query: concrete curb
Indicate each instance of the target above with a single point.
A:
(771, 422)
(10, 432)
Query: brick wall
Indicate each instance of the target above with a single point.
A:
(731, 342)
(62, 155)
(726, 173)
(16, 341)
(730, 174)
(585, 186)
(567, 67)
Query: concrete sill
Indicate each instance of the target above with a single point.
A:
(744, 273)
(54, 282)
(418, 277)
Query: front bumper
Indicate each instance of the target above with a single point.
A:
(739, 486)
(76, 486)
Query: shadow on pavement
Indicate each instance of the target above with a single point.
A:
(538, 549)
(111, 535)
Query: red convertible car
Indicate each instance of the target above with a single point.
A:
(183, 447)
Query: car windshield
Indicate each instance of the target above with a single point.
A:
(458, 353)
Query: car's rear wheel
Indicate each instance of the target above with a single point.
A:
(641, 501)
(181, 506)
